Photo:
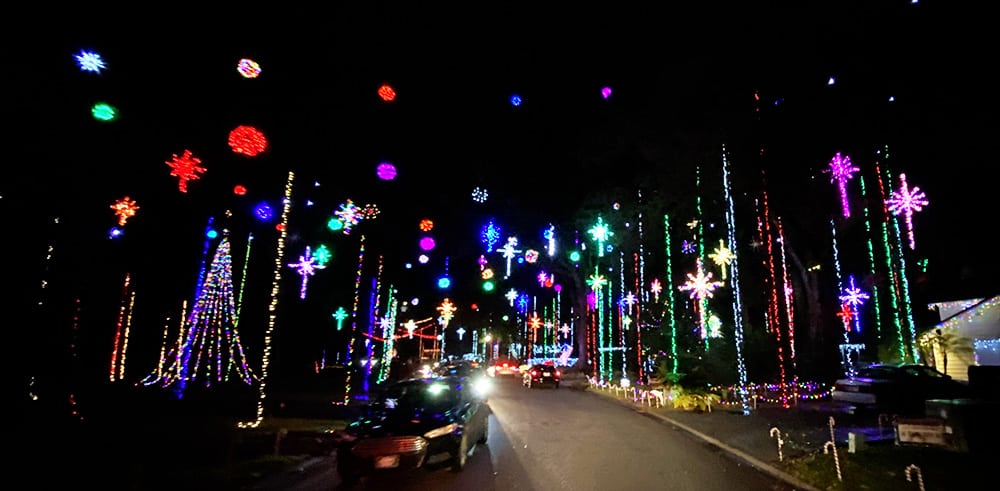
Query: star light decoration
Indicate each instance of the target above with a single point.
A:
(687, 247)
(322, 255)
(185, 168)
(340, 315)
(90, 62)
(509, 252)
(701, 287)
(853, 298)
(656, 288)
(511, 295)
(410, 327)
(629, 300)
(248, 68)
(722, 257)
(565, 330)
(600, 233)
(479, 195)
(306, 267)
(490, 235)
(349, 215)
(841, 169)
(907, 201)
(596, 281)
(535, 322)
(124, 209)
(447, 310)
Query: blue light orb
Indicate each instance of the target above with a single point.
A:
(515, 100)
(211, 234)
(263, 211)
(116, 232)
(444, 283)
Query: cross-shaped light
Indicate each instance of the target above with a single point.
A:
(306, 267)
(340, 315)
(410, 327)
(461, 332)
(511, 295)
(509, 252)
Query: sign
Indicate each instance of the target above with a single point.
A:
(922, 431)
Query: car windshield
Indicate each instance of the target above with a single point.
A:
(418, 394)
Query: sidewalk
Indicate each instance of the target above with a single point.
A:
(804, 430)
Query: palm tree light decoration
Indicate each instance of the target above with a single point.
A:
(701, 287)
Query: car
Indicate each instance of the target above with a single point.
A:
(414, 423)
(900, 389)
(503, 367)
(540, 375)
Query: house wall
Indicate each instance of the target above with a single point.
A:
(958, 364)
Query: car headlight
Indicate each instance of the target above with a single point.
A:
(482, 386)
(442, 431)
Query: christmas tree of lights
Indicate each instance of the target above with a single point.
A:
(210, 351)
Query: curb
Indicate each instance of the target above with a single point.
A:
(749, 459)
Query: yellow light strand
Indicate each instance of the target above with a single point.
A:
(273, 307)
(128, 327)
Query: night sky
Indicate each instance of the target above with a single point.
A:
(683, 82)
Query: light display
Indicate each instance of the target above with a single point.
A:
(490, 235)
(550, 239)
(306, 267)
(426, 225)
(655, 288)
(89, 61)
(247, 140)
(387, 93)
(354, 318)
(871, 259)
(124, 209)
(369, 212)
(340, 315)
(248, 68)
(511, 295)
(447, 310)
(841, 170)
(263, 211)
(600, 233)
(509, 252)
(386, 171)
(722, 257)
(185, 168)
(103, 111)
(853, 297)
(687, 247)
(273, 306)
(907, 201)
(123, 313)
(322, 255)
(741, 369)
(239, 190)
(701, 287)
(426, 243)
(349, 216)
(605, 92)
(515, 100)
(531, 256)
(479, 195)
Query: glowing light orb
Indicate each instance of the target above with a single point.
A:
(124, 209)
(489, 286)
(479, 195)
(386, 171)
(531, 256)
(515, 100)
(280, 227)
(387, 93)
(426, 243)
(90, 62)
(426, 225)
(606, 92)
(574, 256)
(444, 283)
(423, 258)
(212, 233)
(239, 190)
(263, 211)
(247, 140)
(104, 112)
(115, 232)
(335, 224)
(248, 68)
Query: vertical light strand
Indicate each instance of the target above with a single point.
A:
(163, 348)
(669, 287)
(73, 353)
(243, 280)
(388, 334)
(119, 326)
(703, 301)
(890, 267)
(773, 317)
(871, 262)
(621, 310)
(273, 306)
(907, 307)
(789, 295)
(638, 285)
(348, 365)
(204, 257)
(374, 303)
(734, 267)
(128, 329)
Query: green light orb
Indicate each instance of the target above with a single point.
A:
(335, 224)
(488, 286)
(104, 112)
(574, 256)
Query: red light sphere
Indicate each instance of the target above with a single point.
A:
(426, 225)
(247, 140)
(387, 93)
(240, 190)
(280, 227)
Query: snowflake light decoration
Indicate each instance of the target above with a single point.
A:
(125, 209)
(490, 235)
(447, 310)
(630, 300)
(596, 281)
(306, 267)
(600, 233)
(687, 247)
(370, 211)
(349, 215)
(841, 169)
(185, 168)
(322, 255)
(722, 257)
(90, 62)
(700, 285)
(852, 298)
(248, 68)
(479, 195)
(656, 288)
(247, 140)
(907, 201)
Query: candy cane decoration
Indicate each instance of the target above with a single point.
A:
(775, 432)
(830, 444)
(920, 477)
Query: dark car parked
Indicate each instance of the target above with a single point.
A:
(414, 423)
(542, 374)
(897, 388)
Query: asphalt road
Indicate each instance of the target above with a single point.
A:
(555, 439)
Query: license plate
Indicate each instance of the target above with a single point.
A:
(546, 374)
(386, 461)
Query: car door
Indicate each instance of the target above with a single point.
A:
(472, 410)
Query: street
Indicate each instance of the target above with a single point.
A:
(552, 439)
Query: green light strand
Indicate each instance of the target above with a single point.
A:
(907, 304)
(670, 289)
(871, 263)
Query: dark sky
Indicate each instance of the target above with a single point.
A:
(683, 79)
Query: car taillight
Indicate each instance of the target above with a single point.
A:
(558, 373)
(534, 373)
(505, 365)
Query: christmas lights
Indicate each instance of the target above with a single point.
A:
(124, 209)
(841, 170)
(386, 171)
(103, 111)
(247, 140)
(509, 252)
(387, 93)
(601, 234)
(741, 369)
(306, 267)
(185, 168)
(349, 216)
(907, 201)
(248, 68)
(90, 62)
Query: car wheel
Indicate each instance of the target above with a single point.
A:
(486, 431)
(458, 464)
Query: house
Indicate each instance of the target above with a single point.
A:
(968, 334)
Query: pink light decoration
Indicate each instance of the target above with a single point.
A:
(426, 243)
(840, 171)
(606, 92)
(907, 201)
(306, 267)
(386, 171)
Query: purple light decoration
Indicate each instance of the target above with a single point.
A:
(854, 297)
(840, 171)
(386, 171)
(426, 243)
(606, 92)
(907, 201)
(306, 267)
